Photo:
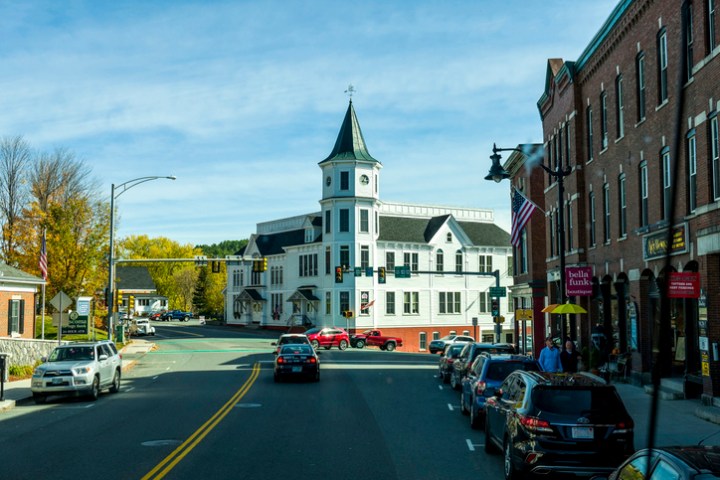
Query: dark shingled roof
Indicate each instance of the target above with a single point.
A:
(350, 144)
(272, 244)
(419, 230)
(133, 278)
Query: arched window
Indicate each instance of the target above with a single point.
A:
(439, 261)
(459, 261)
(449, 237)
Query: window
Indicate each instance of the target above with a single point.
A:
(344, 180)
(484, 302)
(439, 263)
(390, 261)
(308, 265)
(236, 276)
(603, 121)
(662, 66)
(485, 264)
(692, 173)
(411, 260)
(689, 40)
(344, 302)
(640, 79)
(390, 303)
(328, 225)
(449, 302)
(276, 275)
(344, 220)
(715, 156)
(423, 341)
(411, 304)
(435, 335)
(666, 183)
(622, 206)
(328, 261)
(589, 127)
(458, 261)
(606, 210)
(366, 310)
(255, 278)
(567, 143)
(448, 237)
(364, 221)
(643, 193)
(510, 266)
(16, 313)
(710, 30)
(345, 256)
(276, 303)
(552, 230)
(364, 257)
(619, 107)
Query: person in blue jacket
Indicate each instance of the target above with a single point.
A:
(550, 357)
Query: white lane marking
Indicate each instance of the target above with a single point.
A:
(470, 445)
(128, 389)
(450, 407)
(156, 377)
(440, 387)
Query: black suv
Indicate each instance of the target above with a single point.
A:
(547, 423)
(462, 363)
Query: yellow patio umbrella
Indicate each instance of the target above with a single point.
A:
(568, 308)
(550, 308)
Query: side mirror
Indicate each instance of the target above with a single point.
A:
(102, 357)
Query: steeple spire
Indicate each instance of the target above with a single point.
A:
(350, 144)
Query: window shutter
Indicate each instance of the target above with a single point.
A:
(9, 317)
(21, 320)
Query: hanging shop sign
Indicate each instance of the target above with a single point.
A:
(655, 245)
(684, 285)
(578, 281)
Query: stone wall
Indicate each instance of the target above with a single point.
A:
(26, 352)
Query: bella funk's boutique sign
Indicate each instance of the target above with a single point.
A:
(578, 281)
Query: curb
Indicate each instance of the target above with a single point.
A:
(711, 414)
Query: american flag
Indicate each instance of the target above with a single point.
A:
(43, 259)
(522, 208)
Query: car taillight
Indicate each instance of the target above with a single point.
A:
(280, 360)
(312, 360)
(535, 424)
(480, 388)
(624, 427)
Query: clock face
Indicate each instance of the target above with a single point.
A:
(364, 179)
(328, 181)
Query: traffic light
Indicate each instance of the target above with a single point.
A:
(495, 307)
(131, 303)
(381, 274)
(264, 265)
(119, 298)
(256, 266)
(338, 274)
(348, 313)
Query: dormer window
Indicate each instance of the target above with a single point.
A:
(449, 237)
(309, 235)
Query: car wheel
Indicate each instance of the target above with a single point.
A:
(476, 419)
(115, 387)
(315, 344)
(39, 398)
(343, 345)
(95, 389)
(187, 319)
(511, 473)
(360, 344)
(489, 446)
(463, 410)
(390, 347)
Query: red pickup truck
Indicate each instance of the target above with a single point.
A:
(375, 338)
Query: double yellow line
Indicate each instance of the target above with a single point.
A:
(162, 468)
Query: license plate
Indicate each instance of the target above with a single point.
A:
(582, 432)
(57, 381)
(296, 369)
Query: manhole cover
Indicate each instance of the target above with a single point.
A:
(160, 443)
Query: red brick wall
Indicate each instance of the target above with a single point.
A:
(29, 314)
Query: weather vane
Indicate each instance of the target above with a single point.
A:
(350, 90)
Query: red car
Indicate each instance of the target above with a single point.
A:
(328, 337)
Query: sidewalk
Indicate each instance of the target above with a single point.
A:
(20, 390)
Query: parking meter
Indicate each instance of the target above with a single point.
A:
(3, 374)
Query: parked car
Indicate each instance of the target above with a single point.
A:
(696, 462)
(486, 373)
(375, 338)
(468, 355)
(439, 344)
(447, 358)
(78, 369)
(141, 326)
(155, 316)
(546, 423)
(328, 337)
(176, 315)
(290, 339)
(297, 360)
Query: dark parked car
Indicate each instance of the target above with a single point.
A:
(440, 344)
(328, 337)
(678, 463)
(297, 360)
(447, 358)
(546, 423)
(485, 375)
(469, 354)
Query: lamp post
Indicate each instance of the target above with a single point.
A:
(123, 187)
(497, 173)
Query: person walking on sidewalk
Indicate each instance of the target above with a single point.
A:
(550, 357)
(570, 357)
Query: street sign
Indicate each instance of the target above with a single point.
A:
(61, 301)
(523, 315)
(358, 271)
(498, 292)
(402, 271)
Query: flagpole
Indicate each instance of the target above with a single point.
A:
(43, 296)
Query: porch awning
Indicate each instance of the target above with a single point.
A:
(303, 294)
(251, 294)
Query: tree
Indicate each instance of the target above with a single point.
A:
(185, 279)
(15, 158)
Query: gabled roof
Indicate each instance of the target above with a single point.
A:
(421, 230)
(11, 274)
(350, 144)
(133, 278)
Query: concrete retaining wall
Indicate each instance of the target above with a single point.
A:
(24, 351)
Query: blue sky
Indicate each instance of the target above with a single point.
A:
(241, 100)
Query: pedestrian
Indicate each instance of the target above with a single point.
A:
(550, 357)
(570, 357)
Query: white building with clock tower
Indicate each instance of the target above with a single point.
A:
(454, 255)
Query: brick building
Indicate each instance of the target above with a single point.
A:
(17, 302)
(634, 119)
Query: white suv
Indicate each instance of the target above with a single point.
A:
(78, 369)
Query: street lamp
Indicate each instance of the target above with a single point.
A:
(497, 173)
(123, 187)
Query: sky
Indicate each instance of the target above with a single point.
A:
(240, 100)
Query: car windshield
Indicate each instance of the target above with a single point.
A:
(448, 337)
(72, 353)
(312, 330)
(576, 401)
(288, 340)
(296, 350)
(500, 370)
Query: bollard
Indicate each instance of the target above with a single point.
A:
(3, 374)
